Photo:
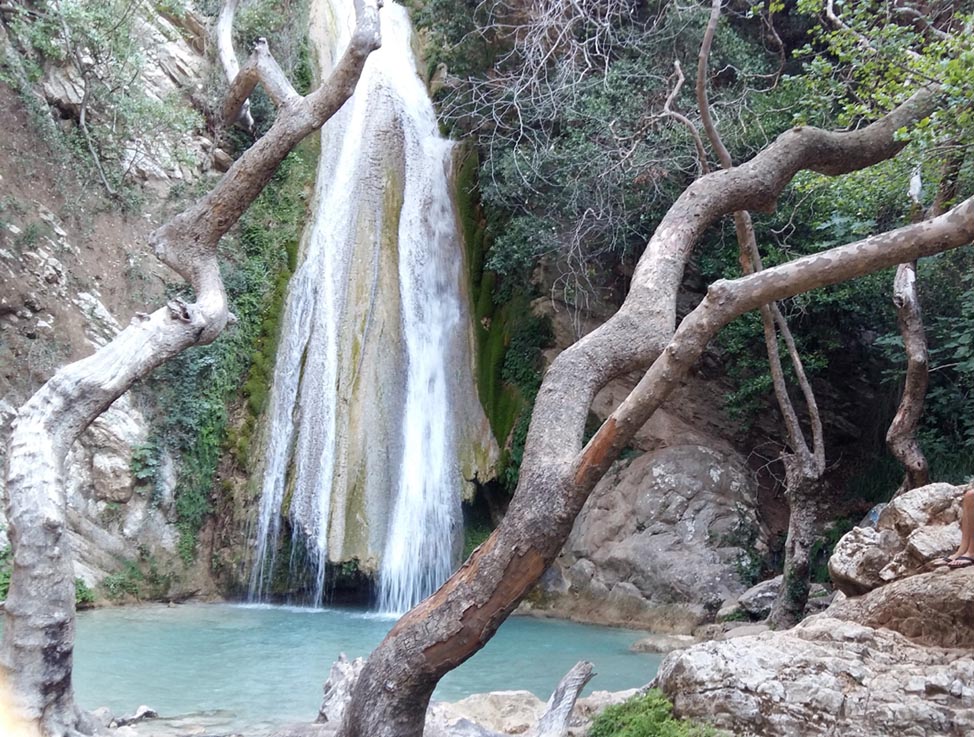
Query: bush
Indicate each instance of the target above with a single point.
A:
(648, 715)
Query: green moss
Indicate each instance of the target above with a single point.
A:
(197, 389)
(509, 337)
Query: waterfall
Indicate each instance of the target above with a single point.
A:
(373, 393)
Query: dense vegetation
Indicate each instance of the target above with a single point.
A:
(580, 156)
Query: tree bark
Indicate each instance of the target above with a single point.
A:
(558, 712)
(38, 638)
(901, 438)
(804, 465)
(391, 697)
(802, 484)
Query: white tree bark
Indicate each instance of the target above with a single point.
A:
(38, 637)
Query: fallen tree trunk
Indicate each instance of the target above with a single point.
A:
(38, 638)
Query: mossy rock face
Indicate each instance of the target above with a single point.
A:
(494, 324)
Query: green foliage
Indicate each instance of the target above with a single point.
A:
(473, 536)
(145, 466)
(449, 35)
(646, 715)
(6, 566)
(83, 595)
(138, 579)
(126, 582)
(196, 387)
(100, 43)
(946, 432)
(822, 548)
(744, 536)
(877, 57)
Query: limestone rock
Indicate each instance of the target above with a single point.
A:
(509, 712)
(653, 545)
(744, 630)
(824, 677)
(914, 528)
(758, 600)
(934, 608)
(662, 643)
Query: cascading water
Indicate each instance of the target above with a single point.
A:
(373, 393)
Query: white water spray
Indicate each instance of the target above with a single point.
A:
(362, 423)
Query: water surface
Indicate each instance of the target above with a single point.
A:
(250, 667)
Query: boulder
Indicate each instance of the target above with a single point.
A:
(758, 600)
(935, 608)
(662, 643)
(911, 530)
(824, 677)
(508, 712)
(656, 545)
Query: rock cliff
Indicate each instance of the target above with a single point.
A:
(72, 269)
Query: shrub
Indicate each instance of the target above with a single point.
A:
(648, 715)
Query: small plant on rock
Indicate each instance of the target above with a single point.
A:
(646, 715)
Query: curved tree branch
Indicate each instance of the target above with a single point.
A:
(38, 637)
(228, 61)
(458, 619)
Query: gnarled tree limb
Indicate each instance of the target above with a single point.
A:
(804, 465)
(38, 637)
(228, 61)
(451, 625)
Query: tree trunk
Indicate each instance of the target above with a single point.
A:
(38, 638)
(901, 438)
(557, 474)
(802, 481)
(804, 465)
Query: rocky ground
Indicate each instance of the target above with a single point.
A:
(895, 660)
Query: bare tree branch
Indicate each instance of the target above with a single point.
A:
(727, 300)
(901, 436)
(38, 638)
(556, 474)
(228, 61)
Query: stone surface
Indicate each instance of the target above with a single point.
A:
(824, 677)
(935, 608)
(652, 546)
(508, 712)
(662, 643)
(744, 630)
(911, 530)
(757, 601)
